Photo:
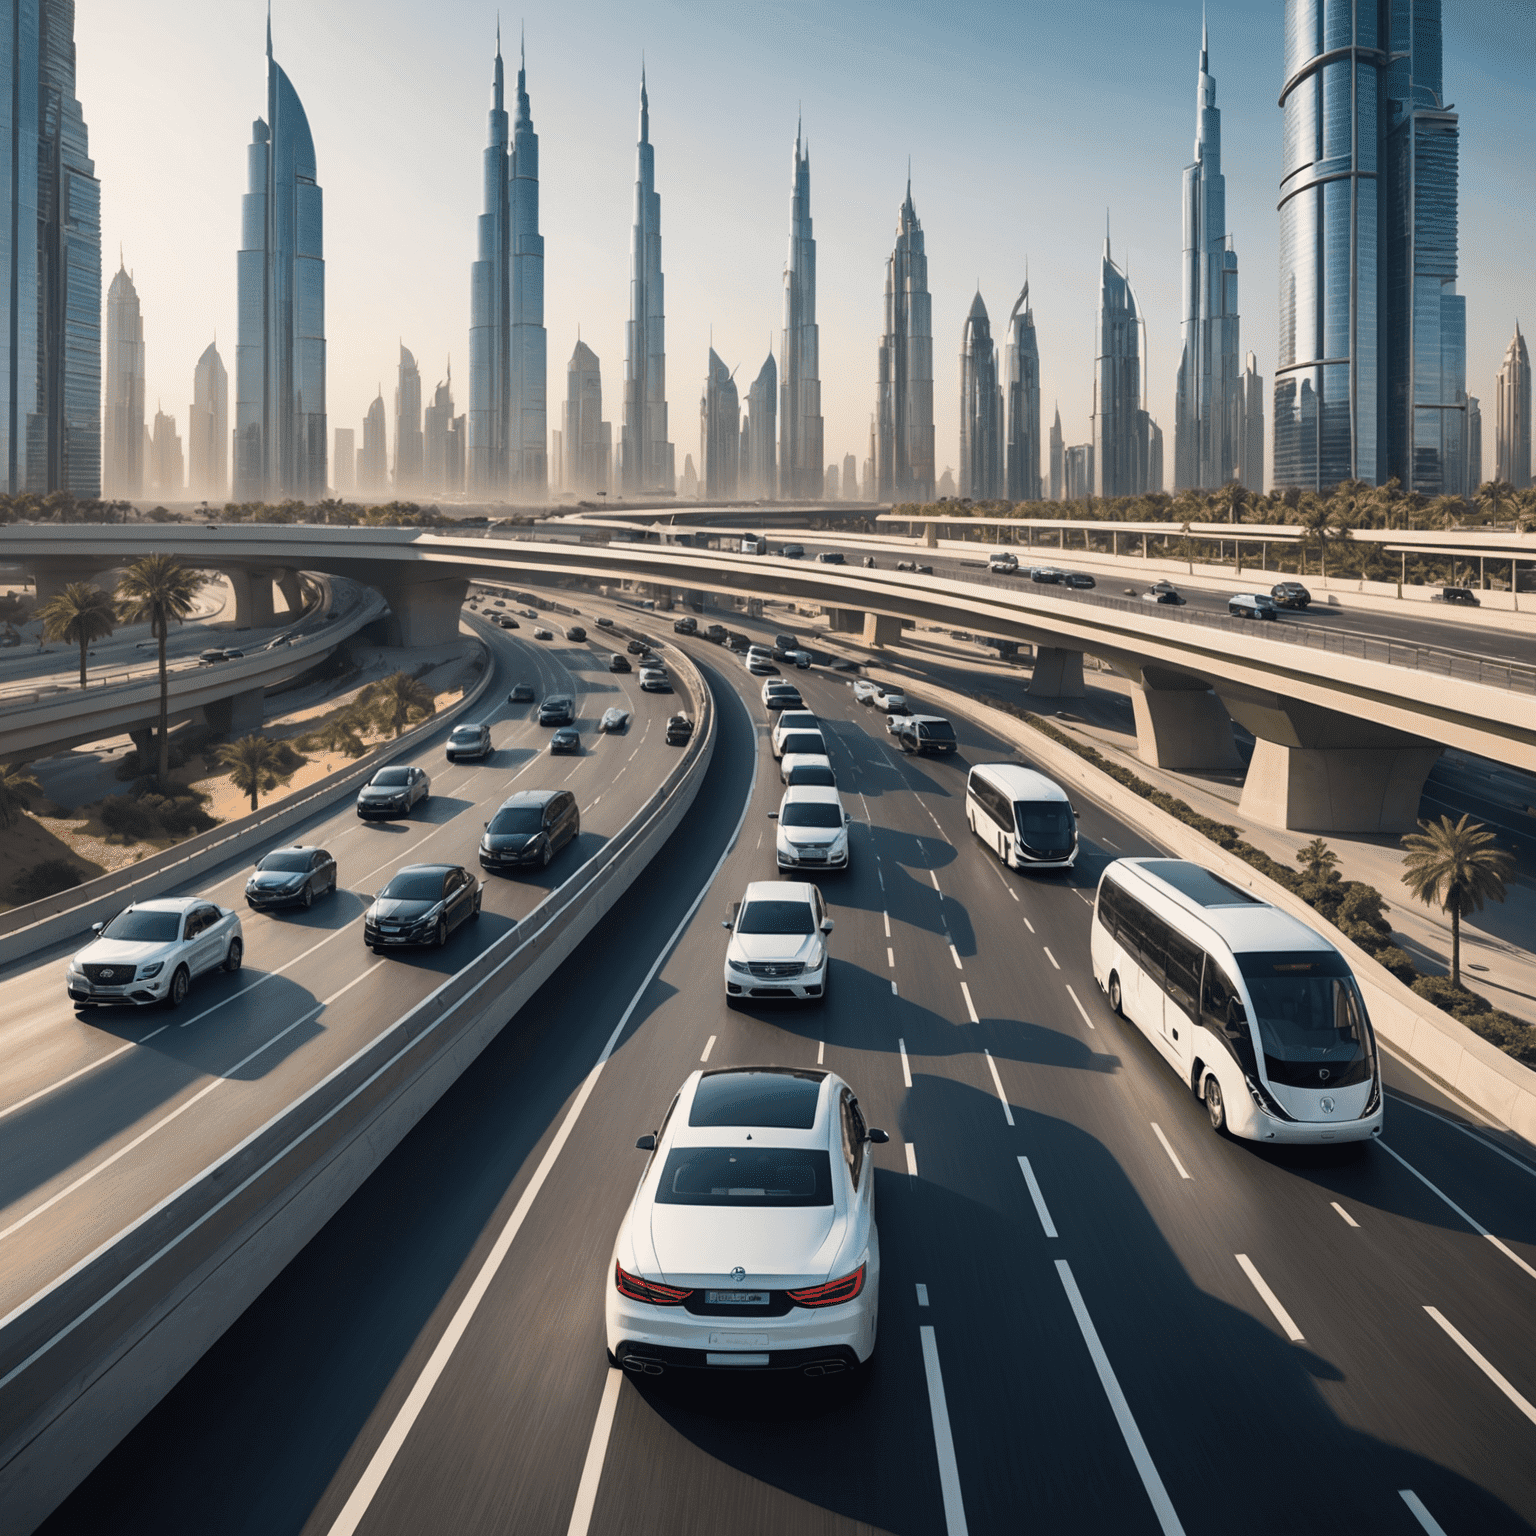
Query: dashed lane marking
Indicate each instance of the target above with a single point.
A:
(821, 1052)
(1076, 999)
(970, 1007)
(709, 1045)
(932, 876)
(943, 1438)
(1039, 1199)
(1416, 1508)
(887, 917)
(1481, 1361)
(997, 1083)
(890, 956)
(1270, 1300)
(955, 956)
(911, 1159)
(1350, 1220)
(1173, 1156)
(922, 1295)
(1049, 956)
(906, 1069)
(1028, 924)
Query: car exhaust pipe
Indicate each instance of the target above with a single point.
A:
(826, 1368)
(642, 1367)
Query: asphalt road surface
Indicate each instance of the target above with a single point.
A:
(1096, 1314)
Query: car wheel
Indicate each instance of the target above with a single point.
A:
(1114, 994)
(330, 890)
(440, 935)
(180, 984)
(307, 900)
(1214, 1106)
(234, 955)
(548, 854)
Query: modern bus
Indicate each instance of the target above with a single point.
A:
(1022, 816)
(1257, 1012)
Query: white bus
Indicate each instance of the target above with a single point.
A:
(1257, 1012)
(1022, 816)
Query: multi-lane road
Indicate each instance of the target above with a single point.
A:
(1096, 1315)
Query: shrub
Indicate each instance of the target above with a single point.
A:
(147, 816)
(129, 819)
(45, 879)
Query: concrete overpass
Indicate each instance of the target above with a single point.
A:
(1346, 728)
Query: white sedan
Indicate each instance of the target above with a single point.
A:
(751, 1242)
(150, 952)
(891, 701)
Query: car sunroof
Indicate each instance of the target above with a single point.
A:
(780, 1097)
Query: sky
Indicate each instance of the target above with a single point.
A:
(1027, 123)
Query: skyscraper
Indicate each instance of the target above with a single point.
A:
(1512, 421)
(800, 420)
(208, 428)
(850, 481)
(280, 433)
(528, 405)
(904, 392)
(122, 446)
(373, 456)
(1122, 430)
(442, 442)
(50, 261)
(408, 444)
(719, 432)
(1250, 462)
(1058, 460)
(165, 464)
(586, 439)
(1021, 403)
(645, 452)
(981, 408)
(1474, 445)
(344, 462)
(759, 479)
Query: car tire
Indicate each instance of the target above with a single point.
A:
(440, 933)
(307, 900)
(181, 983)
(549, 854)
(233, 956)
(330, 890)
(1115, 998)
(1215, 1107)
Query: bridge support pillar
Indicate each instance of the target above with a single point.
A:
(426, 613)
(844, 621)
(1058, 673)
(1181, 724)
(50, 577)
(254, 608)
(292, 589)
(881, 629)
(240, 714)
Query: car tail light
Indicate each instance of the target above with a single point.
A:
(653, 1291)
(830, 1294)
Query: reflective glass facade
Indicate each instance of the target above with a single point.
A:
(904, 382)
(800, 420)
(645, 453)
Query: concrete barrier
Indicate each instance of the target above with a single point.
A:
(84, 1360)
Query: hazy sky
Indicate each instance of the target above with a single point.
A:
(1024, 121)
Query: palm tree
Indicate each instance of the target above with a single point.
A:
(1318, 859)
(252, 764)
(17, 781)
(157, 589)
(1454, 865)
(82, 612)
(397, 697)
(1492, 496)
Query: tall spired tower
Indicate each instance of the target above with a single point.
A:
(527, 373)
(904, 391)
(1021, 403)
(981, 408)
(800, 420)
(646, 454)
(1122, 438)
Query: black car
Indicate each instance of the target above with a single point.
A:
(618, 663)
(468, 741)
(831, 557)
(575, 632)
(686, 626)
(422, 904)
(926, 733)
(679, 730)
(1163, 592)
(637, 648)
(1046, 575)
(717, 633)
(566, 740)
(530, 829)
(558, 709)
(522, 693)
(605, 623)
(1290, 594)
(1080, 580)
(291, 877)
(1463, 595)
(392, 792)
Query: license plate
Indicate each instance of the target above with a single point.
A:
(714, 1359)
(736, 1298)
(393, 938)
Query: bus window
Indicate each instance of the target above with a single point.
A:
(1310, 1019)
(1225, 1015)
(1183, 972)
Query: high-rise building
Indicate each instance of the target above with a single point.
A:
(800, 421)
(1122, 430)
(280, 433)
(1058, 460)
(719, 432)
(1371, 381)
(689, 489)
(850, 478)
(1077, 471)
(122, 436)
(645, 452)
(759, 465)
(1208, 428)
(1250, 462)
(1021, 403)
(831, 488)
(408, 445)
(981, 408)
(50, 261)
(1512, 421)
(344, 462)
(528, 404)
(166, 477)
(586, 439)
(373, 456)
(442, 442)
(1474, 445)
(208, 428)
(904, 393)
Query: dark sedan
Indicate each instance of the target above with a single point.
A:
(422, 904)
(558, 709)
(291, 877)
(392, 792)
(614, 719)
(567, 740)
(637, 648)
(618, 663)
(576, 632)
(1290, 594)
(1080, 581)
(679, 730)
(522, 693)
(468, 741)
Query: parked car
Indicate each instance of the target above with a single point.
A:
(530, 828)
(1079, 581)
(290, 877)
(1290, 594)
(778, 943)
(614, 719)
(679, 730)
(686, 626)
(558, 709)
(813, 829)
(566, 741)
(618, 663)
(522, 693)
(421, 904)
(1163, 592)
(925, 733)
(468, 741)
(1251, 605)
(831, 557)
(543, 634)
(151, 951)
(392, 792)
(575, 632)
(1463, 595)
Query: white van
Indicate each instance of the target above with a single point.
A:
(1025, 818)
(1003, 561)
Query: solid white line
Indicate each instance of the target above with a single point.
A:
(1482, 1363)
(1476, 1226)
(970, 1007)
(1287, 1325)
(1028, 924)
(912, 1159)
(597, 1453)
(709, 1045)
(1168, 1148)
(1482, 1141)
(906, 1069)
(997, 1083)
(1415, 1505)
(1162, 1505)
(1073, 995)
(1049, 956)
(955, 956)
(821, 1052)
(1345, 1214)
(943, 1439)
(934, 878)
(922, 1295)
(1037, 1197)
(890, 956)
(1087, 900)
(887, 917)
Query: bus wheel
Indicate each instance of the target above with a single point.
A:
(1114, 992)
(1213, 1104)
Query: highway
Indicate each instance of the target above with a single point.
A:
(1096, 1315)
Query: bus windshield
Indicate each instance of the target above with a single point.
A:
(1311, 1020)
(1044, 823)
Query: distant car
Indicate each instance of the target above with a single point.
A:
(1463, 595)
(150, 952)
(637, 648)
(891, 701)
(686, 626)
(794, 551)
(679, 730)
(291, 877)
(736, 641)
(925, 733)
(1081, 581)
(1003, 561)
(558, 709)
(500, 602)
(831, 557)
(421, 904)
(543, 634)
(212, 657)
(801, 659)
(575, 632)
(614, 719)
(906, 565)
(522, 693)
(846, 664)
(605, 623)
(1251, 605)
(618, 663)
(566, 740)
(392, 792)
(1163, 592)
(506, 621)
(529, 613)
(1046, 575)
(864, 691)
(1290, 594)
(778, 685)
(760, 666)
(717, 633)
(529, 829)
(468, 741)
(654, 680)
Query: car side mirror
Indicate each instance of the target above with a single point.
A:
(876, 1137)
(847, 818)
(773, 815)
(725, 922)
(827, 925)
(486, 825)
(97, 927)
(646, 1143)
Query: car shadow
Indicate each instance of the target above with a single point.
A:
(440, 809)
(328, 914)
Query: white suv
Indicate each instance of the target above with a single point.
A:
(778, 946)
(151, 950)
(788, 721)
(813, 828)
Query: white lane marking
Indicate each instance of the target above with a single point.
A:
(955, 956)
(1088, 900)
(1482, 1141)
(1168, 1148)
(997, 1083)
(181, 1109)
(1485, 1365)
(1162, 1505)
(922, 1295)
(970, 1007)
(906, 1068)
(597, 1454)
(577, 769)
(912, 1159)
(894, 992)
(1028, 924)
(1476, 1226)
(821, 1052)
(943, 1439)
(1350, 1220)
(935, 880)
(887, 917)
(633, 755)
(709, 1045)
(1073, 995)
(1037, 1197)
(383, 1458)
(890, 957)
(1049, 956)
(879, 876)
(390, 863)
(1415, 1505)
(1287, 1323)
(1109, 844)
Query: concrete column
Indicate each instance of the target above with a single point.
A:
(844, 621)
(424, 613)
(293, 592)
(254, 608)
(242, 714)
(930, 536)
(881, 629)
(50, 577)
(1181, 724)
(1058, 674)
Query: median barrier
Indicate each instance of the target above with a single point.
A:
(87, 1357)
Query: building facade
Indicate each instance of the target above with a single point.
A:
(408, 443)
(280, 427)
(759, 475)
(1474, 445)
(1122, 430)
(122, 437)
(1077, 472)
(719, 433)
(800, 420)
(344, 462)
(442, 434)
(208, 428)
(1250, 462)
(586, 439)
(1021, 404)
(1512, 421)
(904, 457)
(981, 409)
(166, 473)
(850, 481)
(1058, 487)
(373, 456)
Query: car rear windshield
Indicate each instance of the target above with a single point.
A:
(148, 927)
(812, 773)
(291, 861)
(936, 730)
(745, 1176)
(796, 720)
(785, 1100)
(392, 778)
(517, 819)
(814, 813)
(421, 885)
(775, 917)
(808, 743)
(466, 733)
